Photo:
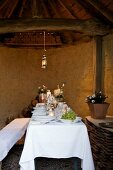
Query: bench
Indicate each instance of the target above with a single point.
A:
(10, 134)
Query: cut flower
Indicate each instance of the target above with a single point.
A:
(97, 97)
(42, 89)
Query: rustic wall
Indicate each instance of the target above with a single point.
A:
(21, 74)
(108, 69)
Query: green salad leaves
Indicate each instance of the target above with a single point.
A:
(70, 115)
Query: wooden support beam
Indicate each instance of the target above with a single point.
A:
(89, 27)
(98, 64)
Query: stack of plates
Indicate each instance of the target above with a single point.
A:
(43, 119)
(40, 109)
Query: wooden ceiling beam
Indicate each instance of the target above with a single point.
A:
(102, 10)
(47, 15)
(10, 9)
(53, 7)
(85, 7)
(3, 4)
(34, 8)
(22, 7)
(48, 7)
(69, 10)
(90, 27)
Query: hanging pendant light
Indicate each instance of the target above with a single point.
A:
(44, 59)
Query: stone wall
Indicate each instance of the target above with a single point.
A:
(21, 74)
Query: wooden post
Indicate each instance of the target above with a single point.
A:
(98, 64)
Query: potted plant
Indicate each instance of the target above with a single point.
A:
(97, 105)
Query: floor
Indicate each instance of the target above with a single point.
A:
(11, 162)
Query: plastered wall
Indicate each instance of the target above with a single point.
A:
(108, 70)
(21, 74)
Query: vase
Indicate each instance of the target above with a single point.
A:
(42, 98)
(98, 110)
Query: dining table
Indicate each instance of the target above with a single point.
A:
(54, 138)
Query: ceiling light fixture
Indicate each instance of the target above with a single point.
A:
(44, 59)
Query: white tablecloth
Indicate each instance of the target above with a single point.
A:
(10, 134)
(56, 140)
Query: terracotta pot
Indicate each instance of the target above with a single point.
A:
(98, 111)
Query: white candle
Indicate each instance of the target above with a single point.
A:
(51, 113)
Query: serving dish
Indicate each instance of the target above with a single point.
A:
(78, 119)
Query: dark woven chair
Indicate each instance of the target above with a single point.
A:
(57, 164)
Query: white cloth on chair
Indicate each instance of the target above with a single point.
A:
(10, 134)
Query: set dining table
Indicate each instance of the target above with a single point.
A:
(49, 137)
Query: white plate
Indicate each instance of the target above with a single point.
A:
(46, 117)
(78, 119)
(43, 118)
(39, 112)
(40, 104)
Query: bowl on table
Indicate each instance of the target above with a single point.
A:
(78, 119)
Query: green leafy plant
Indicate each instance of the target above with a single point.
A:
(70, 115)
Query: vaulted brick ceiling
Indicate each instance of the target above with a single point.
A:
(67, 20)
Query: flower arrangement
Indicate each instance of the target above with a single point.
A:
(42, 89)
(43, 93)
(58, 93)
(97, 97)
